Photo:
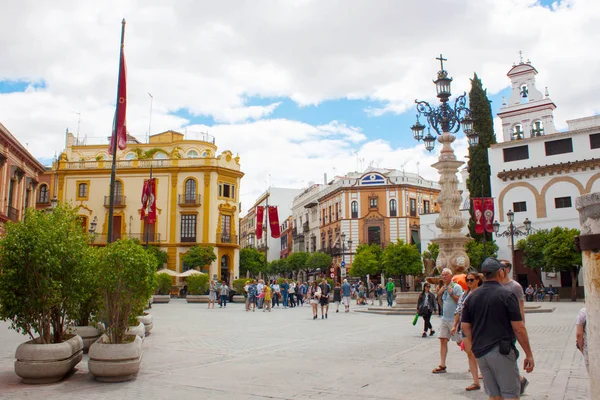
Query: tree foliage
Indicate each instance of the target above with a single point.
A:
(252, 261)
(277, 267)
(367, 260)
(477, 252)
(164, 282)
(86, 309)
(200, 256)
(42, 261)
(533, 249)
(478, 182)
(197, 284)
(161, 256)
(401, 259)
(434, 250)
(318, 260)
(126, 280)
(296, 261)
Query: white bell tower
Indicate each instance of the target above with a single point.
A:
(528, 112)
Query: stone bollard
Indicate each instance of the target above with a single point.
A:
(589, 241)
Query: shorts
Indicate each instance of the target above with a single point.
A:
(500, 374)
(324, 301)
(251, 299)
(314, 301)
(445, 329)
(346, 300)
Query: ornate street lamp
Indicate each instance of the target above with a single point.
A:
(513, 231)
(445, 120)
(53, 202)
(92, 230)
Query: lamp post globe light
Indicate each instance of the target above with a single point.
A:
(513, 231)
(445, 120)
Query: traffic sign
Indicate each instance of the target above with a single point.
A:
(343, 264)
(332, 275)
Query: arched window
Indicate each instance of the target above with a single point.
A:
(537, 129)
(190, 191)
(517, 132)
(130, 156)
(160, 156)
(393, 208)
(354, 208)
(43, 195)
(192, 154)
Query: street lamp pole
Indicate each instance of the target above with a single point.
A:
(512, 231)
(445, 120)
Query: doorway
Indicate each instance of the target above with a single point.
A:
(116, 228)
(225, 268)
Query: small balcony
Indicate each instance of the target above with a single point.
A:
(227, 239)
(305, 226)
(188, 200)
(12, 214)
(152, 237)
(118, 203)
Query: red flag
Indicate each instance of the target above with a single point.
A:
(478, 214)
(144, 200)
(120, 130)
(488, 214)
(274, 222)
(260, 214)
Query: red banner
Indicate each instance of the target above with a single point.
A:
(144, 200)
(260, 215)
(274, 222)
(478, 214)
(488, 214)
(152, 200)
(121, 130)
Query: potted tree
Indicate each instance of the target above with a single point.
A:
(164, 282)
(197, 287)
(84, 312)
(41, 266)
(126, 280)
(199, 256)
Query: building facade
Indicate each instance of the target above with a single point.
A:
(197, 195)
(286, 238)
(538, 172)
(306, 219)
(20, 174)
(379, 206)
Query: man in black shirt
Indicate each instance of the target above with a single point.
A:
(325, 289)
(491, 320)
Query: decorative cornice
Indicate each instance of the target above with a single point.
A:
(550, 169)
(543, 138)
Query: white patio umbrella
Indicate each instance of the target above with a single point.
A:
(190, 272)
(168, 272)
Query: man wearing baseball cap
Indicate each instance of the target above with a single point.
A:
(492, 320)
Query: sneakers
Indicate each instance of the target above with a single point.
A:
(524, 383)
(322, 317)
(432, 333)
(325, 316)
(424, 334)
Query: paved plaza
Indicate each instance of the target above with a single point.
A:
(195, 353)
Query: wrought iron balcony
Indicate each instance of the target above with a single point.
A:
(188, 200)
(152, 237)
(119, 201)
(12, 213)
(305, 226)
(227, 239)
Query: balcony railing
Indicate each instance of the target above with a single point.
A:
(188, 199)
(305, 226)
(152, 237)
(227, 239)
(188, 239)
(119, 201)
(12, 213)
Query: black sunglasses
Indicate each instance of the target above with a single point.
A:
(470, 280)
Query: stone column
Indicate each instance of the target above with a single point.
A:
(451, 241)
(589, 218)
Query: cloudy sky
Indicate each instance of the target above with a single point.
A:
(298, 88)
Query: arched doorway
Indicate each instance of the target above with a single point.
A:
(225, 268)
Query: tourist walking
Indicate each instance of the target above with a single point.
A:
(580, 325)
(426, 308)
(212, 294)
(324, 300)
(301, 293)
(389, 288)
(292, 294)
(267, 298)
(337, 296)
(259, 293)
(371, 291)
(284, 292)
(314, 295)
(224, 292)
(450, 293)
(252, 296)
(474, 280)
(491, 321)
(379, 292)
(276, 293)
(362, 294)
(346, 294)
(515, 288)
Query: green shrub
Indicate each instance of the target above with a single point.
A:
(197, 284)
(86, 309)
(42, 259)
(163, 283)
(238, 285)
(126, 280)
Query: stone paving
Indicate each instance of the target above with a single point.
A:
(228, 353)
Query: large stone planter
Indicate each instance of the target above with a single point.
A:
(197, 298)
(148, 322)
(89, 334)
(115, 362)
(161, 298)
(47, 363)
(239, 299)
(139, 330)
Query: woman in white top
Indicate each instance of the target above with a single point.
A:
(314, 294)
(212, 294)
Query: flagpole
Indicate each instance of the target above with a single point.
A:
(148, 208)
(267, 231)
(484, 229)
(113, 172)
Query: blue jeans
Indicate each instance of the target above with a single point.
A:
(223, 301)
(285, 299)
(390, 298)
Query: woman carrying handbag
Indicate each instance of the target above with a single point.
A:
(425, 308)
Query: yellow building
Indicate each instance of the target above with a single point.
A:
(197, 194)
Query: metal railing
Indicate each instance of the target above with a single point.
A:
(12, 213)
(305, 226)
(188, 199)
(227, 239)
(152, 237)
(119, 201)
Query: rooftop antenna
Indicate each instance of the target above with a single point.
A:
(150, 118)
(78, 124)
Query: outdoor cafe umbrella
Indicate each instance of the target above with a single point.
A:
(190, 272)
(168, 272)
